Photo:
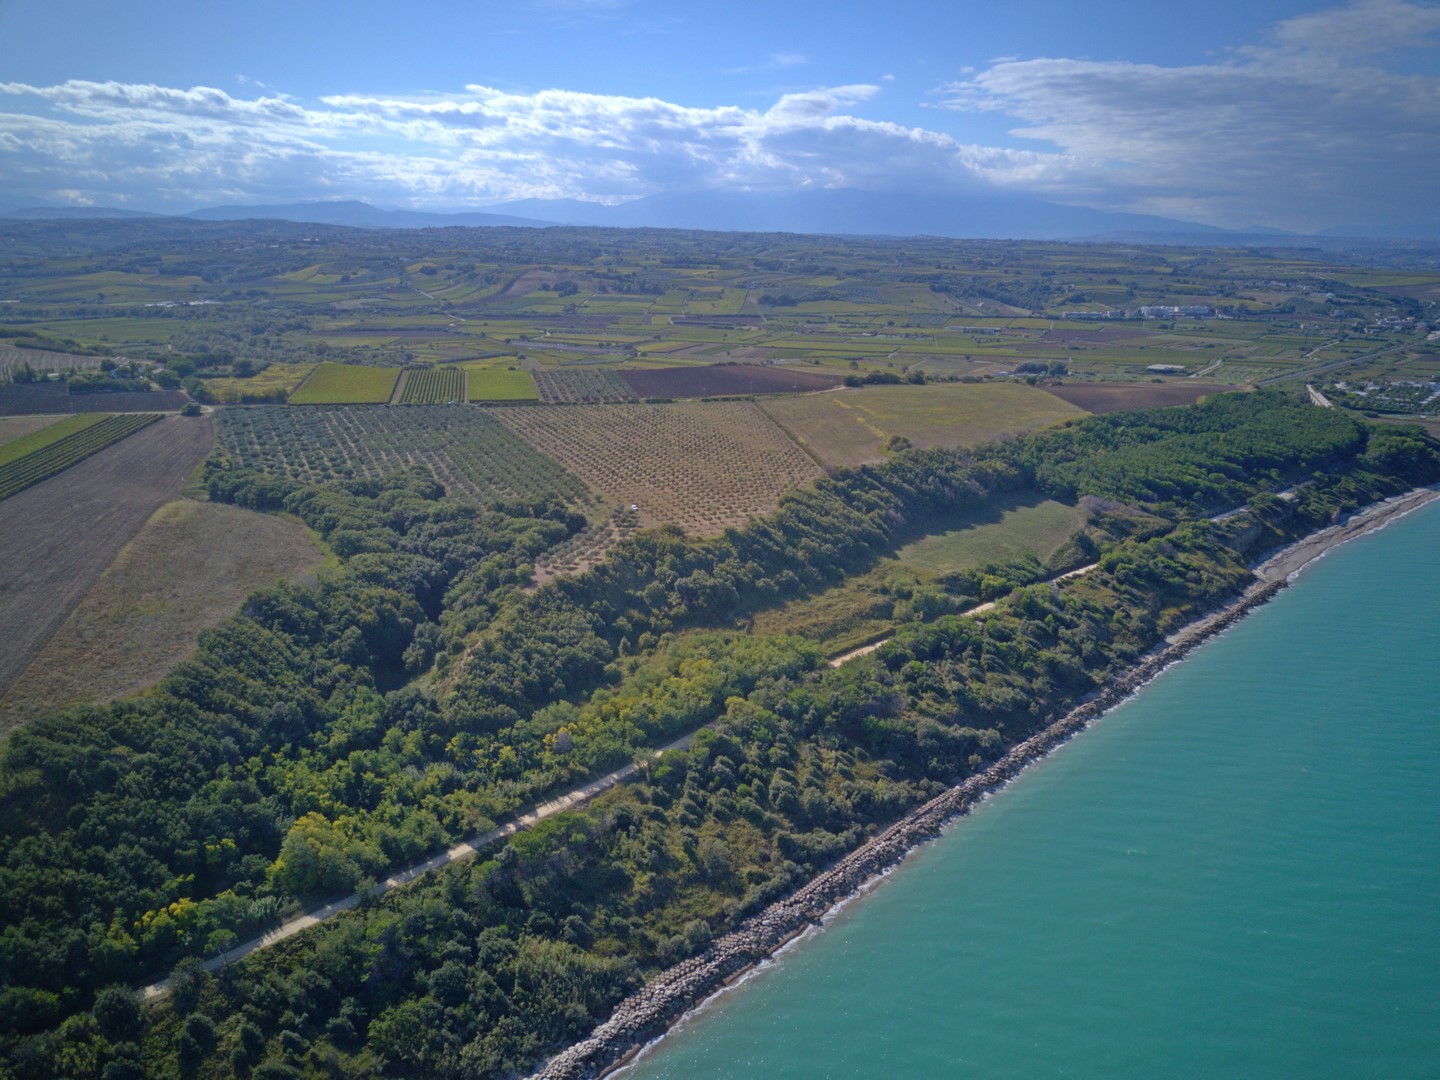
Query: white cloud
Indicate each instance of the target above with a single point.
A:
(1306, 128)
(778, 61)
(1302, 132)
(477, 146)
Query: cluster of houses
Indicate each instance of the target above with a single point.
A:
(1149, 311)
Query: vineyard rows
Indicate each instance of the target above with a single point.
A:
(581, 386)
(432, 386)
(703, 466)
(465, 449)
(74, 448)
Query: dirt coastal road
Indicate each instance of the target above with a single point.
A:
(1275, 569)
(978, 609)
(666, 998)
(466, 849)
(60, 535)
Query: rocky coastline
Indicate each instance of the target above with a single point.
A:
(649, 1012)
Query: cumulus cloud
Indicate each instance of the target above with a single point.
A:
(1302, 131)
(475, 146)
(1314, 125)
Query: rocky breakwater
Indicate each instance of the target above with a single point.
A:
(649, 1012)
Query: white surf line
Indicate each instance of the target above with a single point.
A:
(978, 609)
(466, 849)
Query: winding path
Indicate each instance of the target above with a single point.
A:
(978, 609)
(466, 849)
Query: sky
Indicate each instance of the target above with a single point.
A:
(1267, 113)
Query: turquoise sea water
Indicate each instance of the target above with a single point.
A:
(1235, 874)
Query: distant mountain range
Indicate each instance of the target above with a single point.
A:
(1001, 217)
(361, 215)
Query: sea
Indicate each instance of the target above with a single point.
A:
(1236, 873)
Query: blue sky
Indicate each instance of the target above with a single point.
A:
(1288, 114)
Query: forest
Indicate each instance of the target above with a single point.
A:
(423, 691)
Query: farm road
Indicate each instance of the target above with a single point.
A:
(58, 537)
(978, 609)
(467, 849)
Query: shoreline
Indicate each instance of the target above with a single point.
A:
(642, 1019)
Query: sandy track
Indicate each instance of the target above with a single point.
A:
(57, 537)
(978, 609)
(466, 849)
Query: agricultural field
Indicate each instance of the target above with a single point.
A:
(1116, 397)
(852, 426)
(431, 386)
(500, 384)
(274, 384)
(189, 567)
(581, 386)
(346, 384)
(59, 536)
(14, 359)
(950, 308)
(587, 547)
(38, 399)
(726, 380)
(31, 433)
(704, 466)
(1023, 526)
(464, 448)
(39, 456)
(14, 427)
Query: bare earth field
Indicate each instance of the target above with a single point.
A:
(1117, 397)
(12, 427)
(850, 427)
(189, 567)
(32, 398)
(57, 537)
(701, 465)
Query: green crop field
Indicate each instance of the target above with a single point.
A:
(276, 383)
(16, 449)
(56, 453)
(1018, 526)
(1021, 528)
(500, 384)
(432, 386)
(346, 384)
(850, 427)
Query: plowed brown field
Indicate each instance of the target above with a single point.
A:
(58, 537)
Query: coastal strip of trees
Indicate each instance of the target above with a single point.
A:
(419, 692)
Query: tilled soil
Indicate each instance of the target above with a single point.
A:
(58, 537)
